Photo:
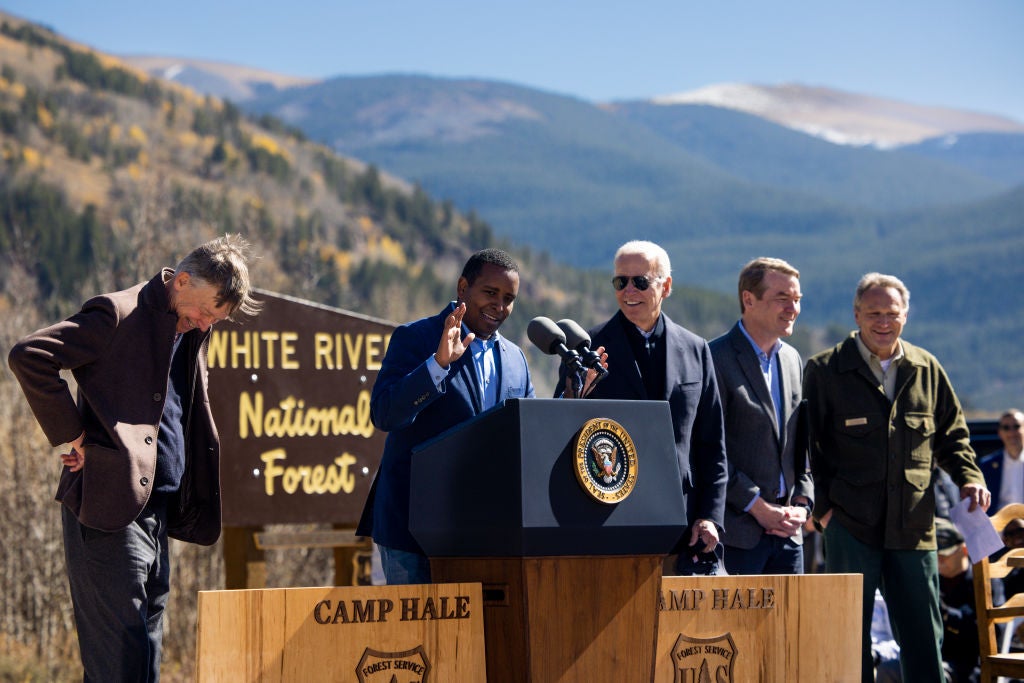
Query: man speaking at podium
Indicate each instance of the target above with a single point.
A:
(650, 357)
(439, 372)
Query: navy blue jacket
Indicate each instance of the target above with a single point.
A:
(991, 467)
(691, 390)
(406, 404)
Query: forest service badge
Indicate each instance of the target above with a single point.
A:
(704, 659)
(605, 462)
(410, 666)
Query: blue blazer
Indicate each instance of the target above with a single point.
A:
(691, 390)
(991, 466)
(406, 404)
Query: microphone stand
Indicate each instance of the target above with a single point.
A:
(578, 379)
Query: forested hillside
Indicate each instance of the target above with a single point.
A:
(109, 172)
(105, 176)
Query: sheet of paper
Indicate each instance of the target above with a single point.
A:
(981, 537)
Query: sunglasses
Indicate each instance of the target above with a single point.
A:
(641, 282)
(1009, 427)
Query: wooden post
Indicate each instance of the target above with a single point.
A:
(248, 552)
(244, 563)
(345, 558)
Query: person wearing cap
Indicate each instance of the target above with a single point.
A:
(1004, 469)
(956, 591)
(882, 414)
(1013, 537)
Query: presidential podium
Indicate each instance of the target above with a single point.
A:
(570, 563)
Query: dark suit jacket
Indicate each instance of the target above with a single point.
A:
(406, 404)
(692, 393)
(991, 466)
(757, 449)
(118, 346)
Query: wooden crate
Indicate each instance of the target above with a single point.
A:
(760, 628)
(365, 634)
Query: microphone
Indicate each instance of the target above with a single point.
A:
(578, 340)
(547, 337)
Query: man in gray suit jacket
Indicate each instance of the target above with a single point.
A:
(770, 490)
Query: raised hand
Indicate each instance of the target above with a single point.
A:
(452, 345)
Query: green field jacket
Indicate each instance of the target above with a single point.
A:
(873, 460)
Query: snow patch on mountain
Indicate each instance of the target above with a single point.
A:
(841, 117)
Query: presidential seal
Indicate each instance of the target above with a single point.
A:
(605, 462)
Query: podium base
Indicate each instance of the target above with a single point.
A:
(564, 619)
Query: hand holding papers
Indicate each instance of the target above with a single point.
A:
(979, 534)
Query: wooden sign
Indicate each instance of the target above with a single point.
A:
(729, 629)
(378, 634)
(290, 393)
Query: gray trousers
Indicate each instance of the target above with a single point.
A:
(119, 586)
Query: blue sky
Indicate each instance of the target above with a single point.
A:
(954, 53)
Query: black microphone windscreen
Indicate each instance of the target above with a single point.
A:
(545, 335)
(575, 336)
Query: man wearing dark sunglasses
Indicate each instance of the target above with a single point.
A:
(1004, 469)
(652, 358)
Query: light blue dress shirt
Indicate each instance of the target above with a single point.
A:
(769, 363)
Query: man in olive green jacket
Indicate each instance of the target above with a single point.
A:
(882, 415)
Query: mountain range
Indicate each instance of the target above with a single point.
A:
(720, 176)
(834, 115)
(108, 173)
(842, 117)
(715, 185)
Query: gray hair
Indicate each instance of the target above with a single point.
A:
(222, 263)
(870, 280)
(650, 251)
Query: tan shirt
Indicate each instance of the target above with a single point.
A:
(884, 373)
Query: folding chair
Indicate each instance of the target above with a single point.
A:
(993, 662)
